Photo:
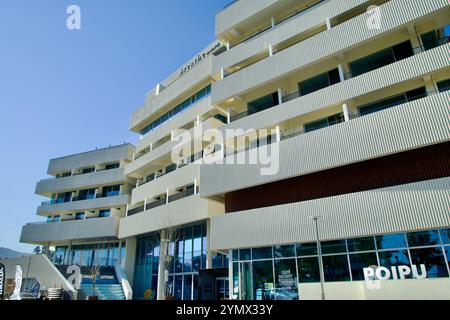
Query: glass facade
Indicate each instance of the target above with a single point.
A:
(277, 272)
(319, 82)
(178, 109)
(189, 256)
(102, 254)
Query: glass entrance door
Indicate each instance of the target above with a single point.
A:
(246, 281)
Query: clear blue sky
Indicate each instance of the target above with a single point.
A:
(64, 92)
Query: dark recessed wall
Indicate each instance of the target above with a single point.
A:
(406, 167)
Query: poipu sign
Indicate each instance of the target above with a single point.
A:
(199, 58)
(394, 273)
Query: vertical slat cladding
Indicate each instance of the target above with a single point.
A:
(395, 13)
(416, 124)
(416, 206)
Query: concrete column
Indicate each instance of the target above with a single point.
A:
(328, 22)
(229, 115)
(161, 295)
(195, 186)
(228, 46)
(67, 257)
(222, 73)
(119, 258)
(270, 50)
(346, 112)
(273, 22)
(278, 134)
(430, 86)
(130, 259)
(280, 95)
(209, 254)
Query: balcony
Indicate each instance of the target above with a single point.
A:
(51, 207)
(307, 52)
(79, 230)
(91, 158)
(412, 125)
(161, 155)
(300, 24)
(83, 181)
(155, 103)
(183, 176)
(295, 105)
(187, 210)
(415, 206)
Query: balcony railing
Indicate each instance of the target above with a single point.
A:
(76, 199)
(163, 201)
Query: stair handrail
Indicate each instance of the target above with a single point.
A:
(123, 280)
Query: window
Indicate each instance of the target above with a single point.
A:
(360, 261)
(111, 191)
(286, 280)
(423, 238)
(57, 219)
(262, 253)
(306, 249)
(245, 254)
(263, 283)
(381, 58)
(337, 246)
(112, 166)
(284, 251)
(263, 103)
(393, 101)
(435, 38)
(319, 82)
(391, 241)
(445, 236)
(79, 216)
(433, 259)
(104, 213)
(64, 197)
(179, 108)
(335, 268)
(395, 258)
(88, 170)
(361, 244)
(171, 168)
(308, 270)
(324, 123)
(86, 194)
(443, 85)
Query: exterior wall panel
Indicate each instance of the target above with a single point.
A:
(408, 207)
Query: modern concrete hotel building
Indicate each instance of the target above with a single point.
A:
(352, 99)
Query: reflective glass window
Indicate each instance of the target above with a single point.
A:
(263, 284)
(432, 258)
(335, 268)
(329, 247)
(284, 251)
(262, 253)
(286, 281)
(361, 244)
(359, 261)
(306, 249)
(423, 238)
(308, 269)
(391, 241)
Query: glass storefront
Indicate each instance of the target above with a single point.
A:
(275, 273)
(103, 255)
(189, 257)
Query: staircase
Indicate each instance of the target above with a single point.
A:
(104, 291)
